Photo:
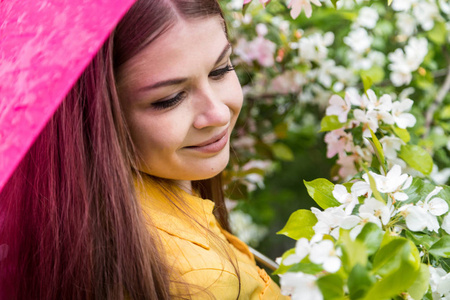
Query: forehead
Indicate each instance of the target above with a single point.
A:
(188, 44)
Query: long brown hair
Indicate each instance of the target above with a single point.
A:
(69, 213)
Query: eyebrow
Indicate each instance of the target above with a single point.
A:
(176, 81)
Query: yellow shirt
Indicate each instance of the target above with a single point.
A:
(198, 259)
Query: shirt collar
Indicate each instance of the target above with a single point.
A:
(175, 211)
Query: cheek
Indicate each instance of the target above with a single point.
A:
(154, 134)
(236, 97)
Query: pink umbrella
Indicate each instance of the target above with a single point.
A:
(44, 47)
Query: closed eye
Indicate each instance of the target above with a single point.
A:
(163, 104)
(220, 73)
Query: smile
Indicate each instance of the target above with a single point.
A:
(213, 145)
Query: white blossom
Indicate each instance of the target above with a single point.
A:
(358, 40)
(416, 217)
(368, 120)
(356, 223)
(300, 286)
(446, 223)
(355, 99)
(260, 49)
(302, 249)
(406, 24)
(297, 6)
(439, 283)
(401, 118)
(445, 6)
(325, 72)
(339, 107)
(391, 144)
(381, 115)
(415, 51)
(338, 141)
(243, 226)
(361, 188)
(378, 209)
(401, 71)
(402, 5)
(347, 163)
(325, 254)
(347, 200)
(384, 103)
(440, 176)
(392, 182)
(403, 63)
(367, 17)
(425, 13)
(288, 82)
(423, 214)
(315, 46)
(436, 206)
(328, 221)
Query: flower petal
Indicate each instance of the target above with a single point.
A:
(415, 218)
(437, 206)
(332, 264)
(350, 222)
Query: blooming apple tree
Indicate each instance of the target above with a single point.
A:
(371, 77)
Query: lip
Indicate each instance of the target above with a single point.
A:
(212, 145)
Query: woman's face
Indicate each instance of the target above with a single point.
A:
(181, 100)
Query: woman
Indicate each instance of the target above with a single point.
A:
(108, 202)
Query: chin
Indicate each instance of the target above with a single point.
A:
(206, 171)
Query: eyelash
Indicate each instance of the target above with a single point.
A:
(169, 102)
(215, 75)
(220, 73)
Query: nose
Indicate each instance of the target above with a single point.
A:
(211, 110)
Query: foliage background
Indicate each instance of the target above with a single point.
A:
(277, 140)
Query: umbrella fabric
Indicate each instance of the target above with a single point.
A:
(44, 47)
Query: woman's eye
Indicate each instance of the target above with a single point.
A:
(220, 73)
(163, 104)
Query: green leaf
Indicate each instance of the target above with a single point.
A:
(388, 237)
(329, 123)
(331, 286)
(389, 2)
(441, 248)
(334, 3)
(245, 7)
(359, 281)
(371, 236)
(398, 263)
(367, 82)
(308, 268)
(282, 268)
(403, 134)
(419, 288)
(321, 190)
(373, 187)
(283, 152)
(378, 149)
(357, 134)
(417, 157)
(394, 255)
(353, 252)
(393, 284)
(423, 239)
(418, 190)
(438, 34)
(445, 113)
(300, 224)
(281, 130)
(375, 74)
